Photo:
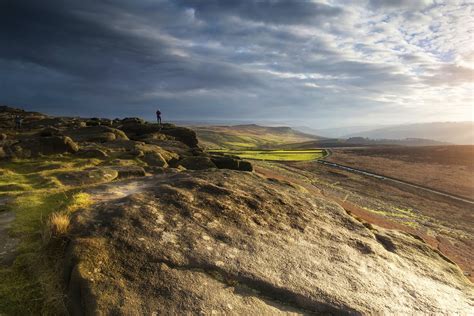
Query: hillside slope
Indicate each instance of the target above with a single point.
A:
(159, 227)
(248, 136)
(461, 133)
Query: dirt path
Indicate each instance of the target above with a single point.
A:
(7, 244)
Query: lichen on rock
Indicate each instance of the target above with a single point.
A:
(234, 242)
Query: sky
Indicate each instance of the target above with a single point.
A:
(323, 63)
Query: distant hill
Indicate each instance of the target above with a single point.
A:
(461, 133)
(249, 136)
(337, 132)
(257, 136)
(361, 141)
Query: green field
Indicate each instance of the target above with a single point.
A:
(275, 155)
(245, 137)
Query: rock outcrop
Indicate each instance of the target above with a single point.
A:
(224, 162)
(92, 153)
(87, 176)
(34, 147)
(197, 163)
(229, 242)
(155, 146)
(139, 130)
(98, 134)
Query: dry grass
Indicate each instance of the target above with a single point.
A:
(441, 170)
(59, 224)
(57, 227)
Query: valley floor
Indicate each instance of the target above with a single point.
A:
(445, 168)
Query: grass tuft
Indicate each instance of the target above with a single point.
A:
(59, 224)
(79, 200)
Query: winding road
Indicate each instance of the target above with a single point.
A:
(394, 180)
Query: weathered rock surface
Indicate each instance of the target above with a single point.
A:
(197, 163)
(95, 121)
(156, 150)
(131, 121)
(173, 146)
(92, 153)
(98, 134)
(33, 147)
(7, 116)
(129, 172)
(245, 165)
(184, 135)
(50, 131)
(228, 242)
(86, 176)
(154, 159)
(136, 129)
(139, 131)
(224, 162)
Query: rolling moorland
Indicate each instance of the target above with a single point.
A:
(445, 168)
(248, 136)
(126, 217)
(461, 133)
(252, 136)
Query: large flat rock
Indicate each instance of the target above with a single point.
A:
(228, 242)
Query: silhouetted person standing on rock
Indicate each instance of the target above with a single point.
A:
(18, 121)
(158, 116)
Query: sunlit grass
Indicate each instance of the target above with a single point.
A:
(404, 216)
(275, 155)
(245, 138)
(390, 213)
(33, 283)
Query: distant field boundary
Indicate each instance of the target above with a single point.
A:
(383, 177)
(319, 153)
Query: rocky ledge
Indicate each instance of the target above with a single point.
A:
(151, 145)
(227, 242)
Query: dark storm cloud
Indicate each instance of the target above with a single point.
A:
(83, 44)
(91, 54)
(54, 36)
(199, 58)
